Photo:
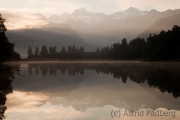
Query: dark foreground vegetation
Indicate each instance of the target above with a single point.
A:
(6, 73)
(6, 78)
(162, 47)
(6, 48)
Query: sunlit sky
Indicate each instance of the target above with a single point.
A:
(57, 7)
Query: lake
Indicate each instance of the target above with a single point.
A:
(92, 91)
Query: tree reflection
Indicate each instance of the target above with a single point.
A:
(30, 67)
(164, 76)
(6, 77)
(36, 68)
(44, 70)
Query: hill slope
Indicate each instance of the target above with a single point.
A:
(162, 24)
(58, 35)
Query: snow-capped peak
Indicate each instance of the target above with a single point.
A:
(80, 11)
(90, 17)
(132, 9)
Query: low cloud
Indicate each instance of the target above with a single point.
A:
(17, 20)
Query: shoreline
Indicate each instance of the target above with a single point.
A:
(89, 60)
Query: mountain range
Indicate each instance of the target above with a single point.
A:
(91, 18)
(98, 29)
(84, 28)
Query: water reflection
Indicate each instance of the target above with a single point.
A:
(164, 76)
(84, 87)
(6, 77)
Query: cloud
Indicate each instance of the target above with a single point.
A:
(16, 19)
(25, 99)
(45, 112)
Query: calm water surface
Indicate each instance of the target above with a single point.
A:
(94, 91)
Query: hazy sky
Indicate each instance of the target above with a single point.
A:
(57, 7)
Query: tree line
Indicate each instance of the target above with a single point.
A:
(162, 47)
(51, 52)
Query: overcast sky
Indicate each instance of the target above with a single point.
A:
(57, 7)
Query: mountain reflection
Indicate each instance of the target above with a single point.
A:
(6, 77)
(164, 76)
(90, 85)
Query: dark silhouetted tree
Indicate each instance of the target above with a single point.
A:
(73, 48)
(44, 52)
(136, 49)
(82, 49)
(36, 52)
(124, 43)
(6, 48)
(97, 50)
(69, 49)
(63, 50)
(30, 53)
(97, 53)
(55, 50)
(77, 49)
(52, 52)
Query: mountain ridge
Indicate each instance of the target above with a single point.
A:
(97, 15)
(98, 29)
(161, 24)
